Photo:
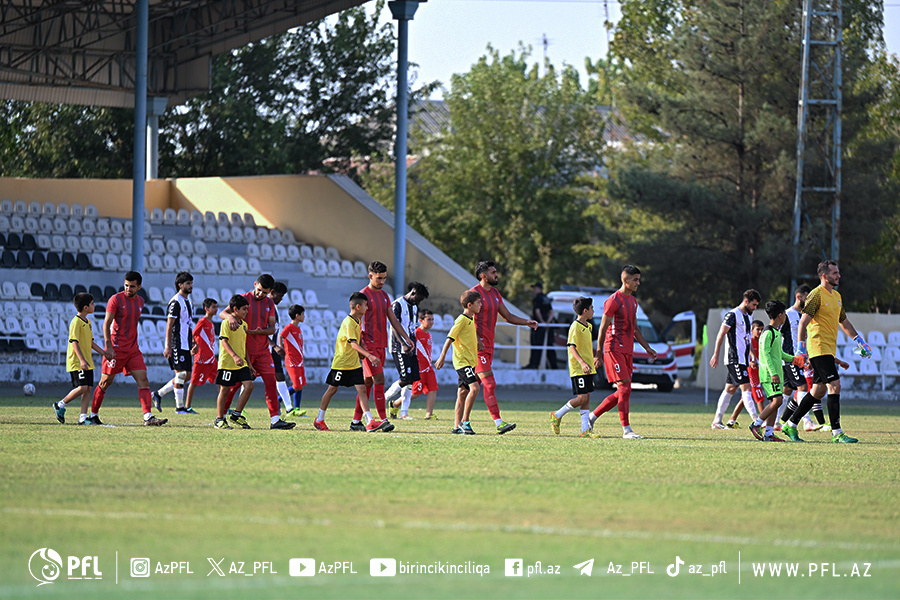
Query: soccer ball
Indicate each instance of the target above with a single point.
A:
(28, 389)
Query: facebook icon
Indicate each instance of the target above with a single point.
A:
(514, 567)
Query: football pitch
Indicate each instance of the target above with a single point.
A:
(186, 511)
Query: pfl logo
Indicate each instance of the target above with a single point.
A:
(45, 565)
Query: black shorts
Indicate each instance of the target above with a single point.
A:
(737, 375)
(582, 384)
(181, 361)
(407, 367)
(348, 378)
(793, 378)
(230, 377)
(278, 363)
(467, 377)
(824, 369)
(80, 378)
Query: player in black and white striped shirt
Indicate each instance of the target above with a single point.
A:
(735, 331)
(179, 341)
(406, 311)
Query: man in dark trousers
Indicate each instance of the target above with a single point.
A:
(542, 312)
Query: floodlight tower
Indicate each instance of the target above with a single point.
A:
(819, 110)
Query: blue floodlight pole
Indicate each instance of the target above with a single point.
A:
(142, 12)
(403, 11)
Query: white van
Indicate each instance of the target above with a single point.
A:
(673, 360)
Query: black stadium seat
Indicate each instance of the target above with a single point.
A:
(68, 261)
(53, 261)
(2, 239)
(65, 292)
(28, 242)
(82, 262)
(51, 292)
(108, 292)
(37, 290)
(7, 260)
(13, 241)
(158, 310)
(23, 261)
(143, 294)
(97, 293)
(38, 260)
(79, 289)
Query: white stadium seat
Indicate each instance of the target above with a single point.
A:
(73, 225)
(200, 248)
(31, 224)
(223, 234)
(240, 265)
(249, 235)
(183, 217)
(253, 266)
(91, 211)
(262, 235)
(334, 268)
(62, 209)
(197, 264)
(212, 264)
(196, 217)
(49, 208)
(154, 263)
(157, 246)
(5, 225)
(293, 253)
(225, 265)
(60, 226)
(297, 296)
(311, 298)
(89, 226)
(308, 267)
(116, 245)
(253, 250)
(183, 262)
(155, 294)
(209, 218)
(170, 217)
(197, 231)
(275, 236)
(58, 243)
(237, 234)
(116, 228)
(156, 216)
(321, 268)
(287, 237)
(346, 268)
(876, 338)
(45, 225)
(225, 296)
(265, 252)
(77, 210)
(17, 223)
(101, 244)
(319, 253)
(169, 263)
(73, 244)
(126, 244)
(112, 262)
(249, 221)
(6, 207)
(279, 252)
(21, 208)
(168, 292)
(172, 246)
(186, 247)
(87, 244)
(237, 220)
(125, 261)
(43, 241)
(331, 253)
(98, 260)
(306, 252)
(210, 233)
(222, 220)
(23, 290)
(34, 208)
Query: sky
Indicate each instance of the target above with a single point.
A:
(449, 36)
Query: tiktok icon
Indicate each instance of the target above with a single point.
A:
(673, 569)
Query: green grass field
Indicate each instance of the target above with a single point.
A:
(187, 493)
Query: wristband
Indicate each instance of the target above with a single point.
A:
(802, 348)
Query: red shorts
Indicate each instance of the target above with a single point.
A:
(125, 361)
(297, 375)
(368, 369)
(757, 393)
(485, 360)
(618, 366)
(262, 363)
(427, 383)
(754, 376)
(204, 373)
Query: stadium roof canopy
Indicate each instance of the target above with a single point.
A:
(83, 51)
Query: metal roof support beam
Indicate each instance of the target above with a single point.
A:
(142, 8)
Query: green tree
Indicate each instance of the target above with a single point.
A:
(712, 87)
(503, 179)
